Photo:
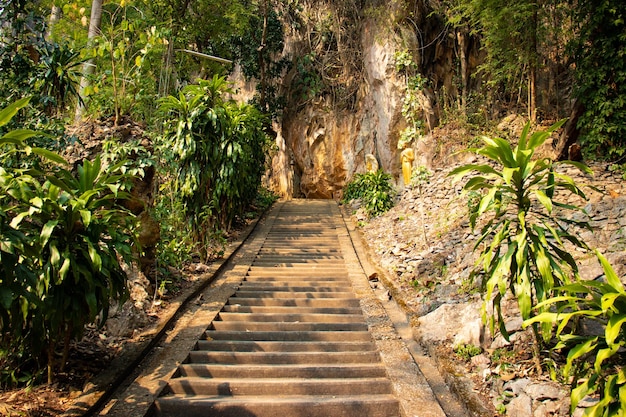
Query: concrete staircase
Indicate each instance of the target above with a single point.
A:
(292, 341)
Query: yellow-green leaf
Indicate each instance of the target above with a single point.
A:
(8, 112)
(94, 256)
(613, 328)
(86, 216)
(64, 269)
(611, 276)
(602, 355)
(55, 256)
(544, 200)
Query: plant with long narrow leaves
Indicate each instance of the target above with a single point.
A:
(373, 189)
(62, 238)
(595, 363)
(219, 148)
(523, 242)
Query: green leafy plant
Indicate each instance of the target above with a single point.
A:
(412, 102)
(467, 351)
(63, 236)
(126, 53)
(60, 67)
(595, 363)
(404, 61)
(503, 357)
(522, 243)
(219, 150)
(600, 75)
(373, 189)
(621, 168)
(308, 84)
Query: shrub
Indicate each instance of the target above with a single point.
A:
(522, 242)
(217, 152)
(595, 363)
(467, 351)
(373, 189)
(62, 238)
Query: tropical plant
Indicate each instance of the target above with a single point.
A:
(522, 244)
(63, 238)
(595, 363)
(60, 75)
(220, 149)
(373, 189)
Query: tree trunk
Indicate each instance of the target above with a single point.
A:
(55, 16)
(89, 66)
(261, 51)
(462, 42)
(532, 78)
(570, 133)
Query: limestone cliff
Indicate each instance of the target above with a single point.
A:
(345, 94)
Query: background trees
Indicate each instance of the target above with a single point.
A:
(552, 58)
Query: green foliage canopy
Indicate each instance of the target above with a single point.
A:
(600, 58)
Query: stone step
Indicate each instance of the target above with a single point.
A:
(318, 336)
(270, 406)
(257, 283)
(291, 240)
(326, 336)
(294, 302)
(292, 295)
(303, 265)
(278, 275)
(286, 327)
(282, 358)
(311, 271)
(282, 346)
(291, 318)
(368, 370)
(294, 252)
(294, 287)
(301, 243)
(300, 251)
(279, 387)
(286, 310)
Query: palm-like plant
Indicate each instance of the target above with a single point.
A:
(595, 363)
(523, 241)
(219, 147)
(60, 67)
(62, 236)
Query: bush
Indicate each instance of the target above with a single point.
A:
(522, 242)
(595, 363)
(62, 238)
(217, 149)
(523, 251)
(373, 189)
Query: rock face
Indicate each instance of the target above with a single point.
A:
(327, 147)
(345, 92)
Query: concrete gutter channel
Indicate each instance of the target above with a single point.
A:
(130, 387)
